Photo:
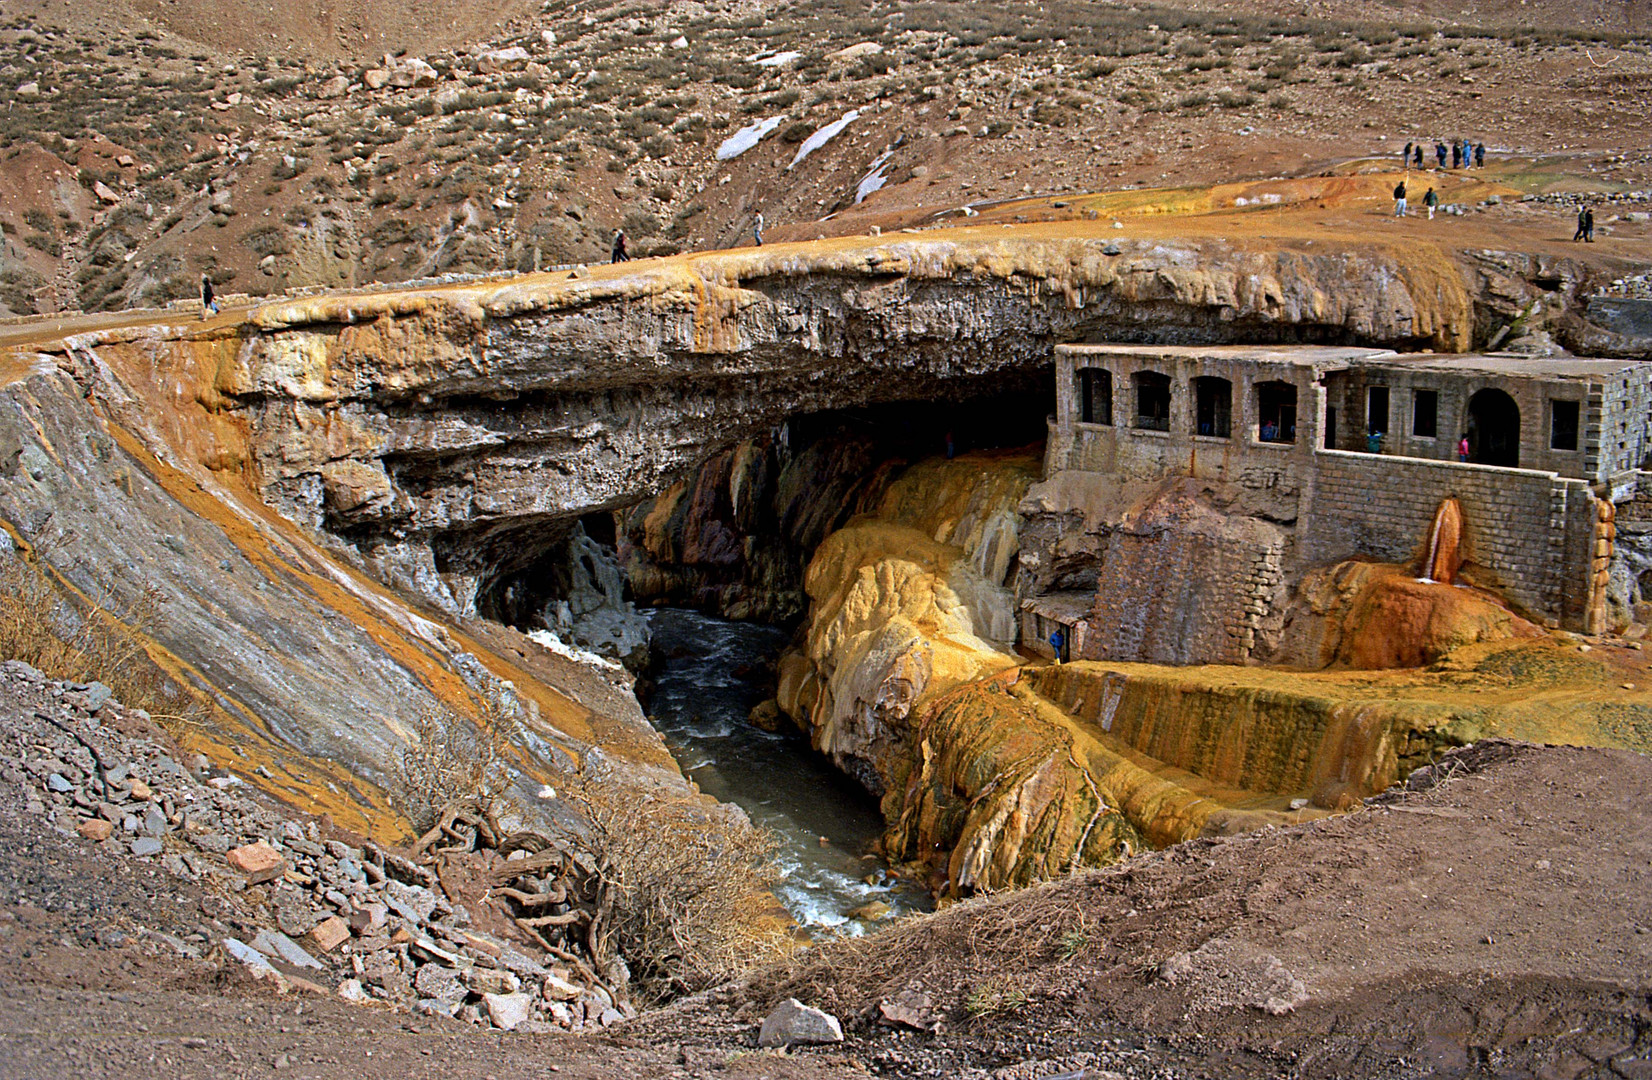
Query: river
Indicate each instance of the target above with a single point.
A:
(823, 822)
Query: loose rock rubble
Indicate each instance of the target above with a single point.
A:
(315, 912)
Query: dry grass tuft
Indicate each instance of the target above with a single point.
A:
(452, 758)
(80, 638)
(1048, 922)
(685, 884)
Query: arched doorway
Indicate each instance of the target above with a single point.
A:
(1493, 429)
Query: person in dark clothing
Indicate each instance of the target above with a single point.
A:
(1058, 644)
(1405, 155)
(1399, 199)
(1419, 153)
(1431, 200)
(209, 302)
(620, 254)
(1456, 154)
(1440, 153)
(1585, 225)
(1480, 155)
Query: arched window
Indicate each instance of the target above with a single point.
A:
(1213, 406)
(1152, 400)
(1276, 412)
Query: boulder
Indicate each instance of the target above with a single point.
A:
(375, 78)
(441, 983)
(508, 1010)
(96, 829)
(491, 981)
(855, 52)
(793, 1023)
(412, 72)
(337, 86)
(495, 61)
(258, 861)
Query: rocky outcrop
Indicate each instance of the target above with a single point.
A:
(736, 536)
(312, 675)
(444, 432)
(1378, 616)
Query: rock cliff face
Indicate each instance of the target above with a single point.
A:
(451, 434)
(312, 673)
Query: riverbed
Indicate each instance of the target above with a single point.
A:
(709, 674)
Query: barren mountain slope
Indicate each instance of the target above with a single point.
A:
(140, 156)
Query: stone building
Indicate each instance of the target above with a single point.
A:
(1291, 458)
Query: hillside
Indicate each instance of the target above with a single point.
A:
(140, 158)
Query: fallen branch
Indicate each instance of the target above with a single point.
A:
(565, 919)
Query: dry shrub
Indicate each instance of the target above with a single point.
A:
(685, 884)
(84, 638)
(452, 758)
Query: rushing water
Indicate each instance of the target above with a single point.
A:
(824, 823)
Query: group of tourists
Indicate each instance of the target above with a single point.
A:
(1464, 154)
(1585, 224)
(1431, 201)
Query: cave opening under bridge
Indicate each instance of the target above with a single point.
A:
(738, 544)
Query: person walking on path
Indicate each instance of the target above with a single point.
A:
(1399, 199)
(1405, 156)
(757, 229)
(1419, 155)
(1585, 225)
(1440, 153)
(1431, 200)
(1456, 154)
(620, 254)
(209, 302)
(1479, 155)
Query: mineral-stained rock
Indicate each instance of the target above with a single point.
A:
(330, 933)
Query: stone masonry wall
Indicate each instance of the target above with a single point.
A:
(1183, 596)
(1527, 533)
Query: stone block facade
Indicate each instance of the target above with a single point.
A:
(1579, 418)
(1553, 444)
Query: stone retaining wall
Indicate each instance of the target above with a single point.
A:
(1530, 534)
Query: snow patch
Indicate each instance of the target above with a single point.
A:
(780, 59)
(875, 177)
(823, 136)
(746, 138)
(550, 641)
